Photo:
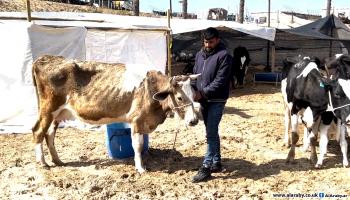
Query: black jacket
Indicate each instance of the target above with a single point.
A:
(215, 70)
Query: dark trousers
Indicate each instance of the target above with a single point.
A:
(212, 113)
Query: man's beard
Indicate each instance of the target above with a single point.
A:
(208, 50)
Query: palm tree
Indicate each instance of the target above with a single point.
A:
(329, 2)
(241, 12)
(136, 8)
(184, 8)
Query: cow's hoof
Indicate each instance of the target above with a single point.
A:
(287, 145)
(291, 161)
(290, 157)
(313, 160)
(58, 163)
(43, 165)
(141, 170)
(346, 164)
(318, 166)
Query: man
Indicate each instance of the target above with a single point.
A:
(212, 90)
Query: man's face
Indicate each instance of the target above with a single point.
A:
(210, 44)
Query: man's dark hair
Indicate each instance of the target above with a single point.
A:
(210, 33)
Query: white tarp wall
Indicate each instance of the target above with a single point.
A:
(144, 48)
(23, 42)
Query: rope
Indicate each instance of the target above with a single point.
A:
(330, 108)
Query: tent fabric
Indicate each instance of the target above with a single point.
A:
(145, 49)
(129, 47)
(322, 38)
(66, 42)
(16, 98)
(94, 20)
(135, 41)
(328, 28)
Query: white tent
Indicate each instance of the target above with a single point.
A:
(140, 41)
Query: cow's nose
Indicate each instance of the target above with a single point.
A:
(193, 122)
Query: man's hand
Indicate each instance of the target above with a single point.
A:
(197, 96)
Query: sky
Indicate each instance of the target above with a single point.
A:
(194, 6)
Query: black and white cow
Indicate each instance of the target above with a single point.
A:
(288, 63)
(240, 63)
(338, 69)
(309, 91)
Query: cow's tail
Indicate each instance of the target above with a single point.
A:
(35, 85)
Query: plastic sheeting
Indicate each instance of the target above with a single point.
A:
(94, 20)
(24, 42)
(145, 48)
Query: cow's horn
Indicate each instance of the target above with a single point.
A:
(194, 76)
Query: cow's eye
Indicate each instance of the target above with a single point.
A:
(179, 98)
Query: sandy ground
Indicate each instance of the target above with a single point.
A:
(252, 151)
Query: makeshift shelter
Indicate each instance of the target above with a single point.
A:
(140, 41)
(186, 45)
(322, 38)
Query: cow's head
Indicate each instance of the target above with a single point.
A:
(339, 67)
(339, 70)
(242, 54)
(180, 95)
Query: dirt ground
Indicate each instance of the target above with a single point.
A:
(252, 151)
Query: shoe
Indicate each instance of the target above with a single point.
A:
(202, 175)
(217, 167)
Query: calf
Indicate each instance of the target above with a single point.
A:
(101, 93)
(240, 63)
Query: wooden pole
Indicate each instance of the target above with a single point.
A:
(169, 44)
(171, 8)
(329, 6)
(29, 11)
(273, 57)
(269, 14)
(268, 68)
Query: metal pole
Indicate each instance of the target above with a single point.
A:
(29, 11)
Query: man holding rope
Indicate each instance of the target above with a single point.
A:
(212, 90)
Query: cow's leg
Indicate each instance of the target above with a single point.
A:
(137, 144)
(306, 140)
(39, 131)
(344, 145)
(323, 143)
(287, 109)
(50, 138)
(286, 126)
(339, 127)
(295, 138)
(313, 143)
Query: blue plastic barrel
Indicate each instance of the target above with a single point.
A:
(268, 77)
(118, 140)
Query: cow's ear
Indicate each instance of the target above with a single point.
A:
(161, 96)
(345, 59)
